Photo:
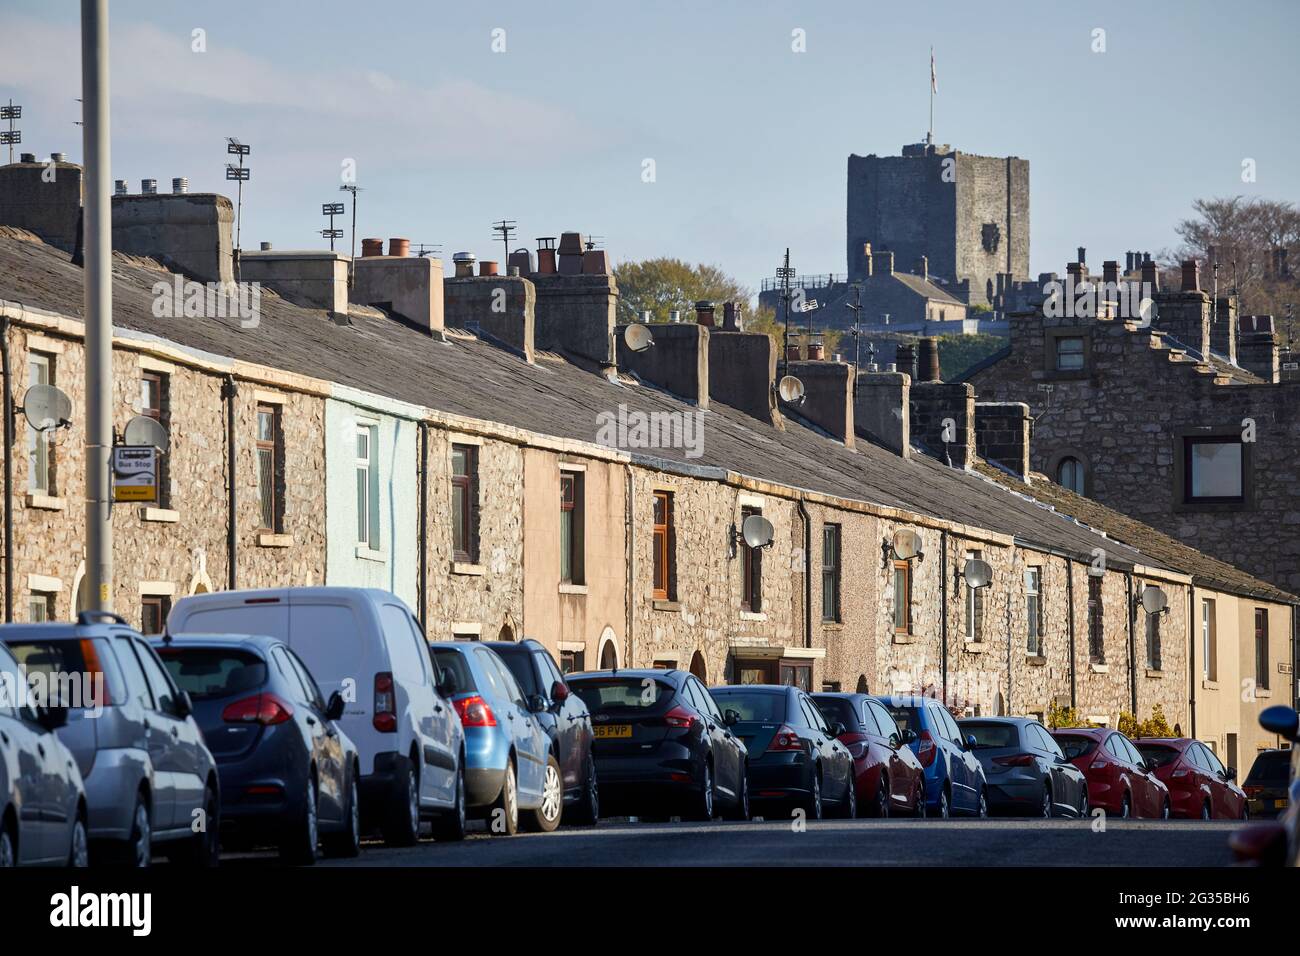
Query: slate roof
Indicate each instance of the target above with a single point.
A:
(470, 377)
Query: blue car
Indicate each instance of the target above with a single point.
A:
(289, 775)
(509, 766)
(954, 776)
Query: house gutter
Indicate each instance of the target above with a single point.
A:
(229, 391)
(807, 573)
(9, 469)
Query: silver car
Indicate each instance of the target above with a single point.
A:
(151, 782)
(42, 799)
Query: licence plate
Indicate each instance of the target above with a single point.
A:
(1280, 804)
(612, 730)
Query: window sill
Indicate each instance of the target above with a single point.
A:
(1209, 685)
(975, 647)
(464, 567)
(1099, 668)
(1155, 673)
(162, 515)
(567, 587)
(269, 539)
(904, 638)
(832, 625)
(659, 604)
(1035, 660)
(366, 553)
(752, 616)
(47, 502)
(1263, 692)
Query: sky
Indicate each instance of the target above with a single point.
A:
(693, 130)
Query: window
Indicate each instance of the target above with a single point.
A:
(665, 548)
(571, 661)
(368, 486)
(1261, 648)
(1209, 641)
(751, 597)
(40, 455)
(270, 458)
(1153, 641)
(830, 572)
(1070, 474)
(154, 404)
(1034, 610)
(798, 675)
(1096, 644)
(902, 597)
(571, 527)
(1069, 353)
(1212, 470)
(155, 674)
(464, 503)
(153, 614)
(974, 605)
(40, 607)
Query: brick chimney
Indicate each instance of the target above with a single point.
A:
(742, 373)
(678, 362)
(1002, 435)
(1257, 349)
(51, 209)
(882, 263)
(576, 315)
(1185, 315)
(1223, 328)
(881, 410)
(1150, 275)
(943, 420)
(828, 397)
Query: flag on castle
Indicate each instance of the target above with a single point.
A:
(934, 80)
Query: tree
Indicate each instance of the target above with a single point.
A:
(662, 285)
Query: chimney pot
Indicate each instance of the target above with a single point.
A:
(464, 264)
(58, 157)
(26, 157)
(816, 351)
(265, 246)
(1191, 275)
(180, 185)
(148, 187)
(546, 262)
(793, 353)
(927, 359)
(731, 317)
(399, 247)
(1150, 277)
(1083, 255)
(487, 268)
(1110, 271)
(704, 313)
(119, 187)
(923, 267)
(371, 247)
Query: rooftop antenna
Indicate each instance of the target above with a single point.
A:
(353, 189)
(423, 249)
(331, 209)
(238, 173)
(934, 88)
(505, 228)
(78, 122)
(11, 135)
(592, 241)
(784, 273)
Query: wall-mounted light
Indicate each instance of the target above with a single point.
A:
(1153, 600)
(756, 531)
(904, 546)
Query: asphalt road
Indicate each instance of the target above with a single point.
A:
(997, 842)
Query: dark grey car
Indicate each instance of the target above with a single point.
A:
(1027, 772)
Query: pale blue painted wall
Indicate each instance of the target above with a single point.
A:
(394, 566)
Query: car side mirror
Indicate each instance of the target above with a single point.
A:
(838, 729)
(182, 704)
(970, 742)
(334, 709)
(1230, 773)
(52, 718)
(448, 686)
(909, 736)
(559, 692)
(730, 717)
(536, 703)
(1281, 720)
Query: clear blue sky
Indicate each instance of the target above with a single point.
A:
(749, 139)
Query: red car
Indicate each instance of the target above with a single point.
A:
(889, 776)
(1120, 780)
(1199, 785)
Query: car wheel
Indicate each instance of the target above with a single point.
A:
(301, 836)
(79, 851)
(741, 810)
(503, 819)
(8, 847)
(138, 849)
(1045, 810)
(547, 817)
(983, 809)
(813, 806)
(1125, 808)
(848, 807)
(880, 807)
(702, 808)
(1083, 803)
(1206, 813)
(347, 841)
(1245, 812)
(586, 811)
(944, 810)
(402, 824)
(1164, 811)
(451, 826)
(918, 801)
(204, 848)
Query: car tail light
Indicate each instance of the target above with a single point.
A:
(475, 712)
(1098, 763)
(1015, 760)
(783, 740)
(264, 709)
(1253, 791)
(680, 718)
(100, 695)
(385, 718)
(1179, 773)
(926, 751)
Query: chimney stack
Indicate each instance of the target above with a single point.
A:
(923, 267)
(905, 359)
(1110, 271)
(881, 410)
(742, 373)
(731, 317)
(866, 259)
(678, 361)
(943, 420)
(1191, 275)
(828, 397)
(1002, 435)
(882, 263)
(1257, 350)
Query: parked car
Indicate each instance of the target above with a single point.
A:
(1275, 842)
(510, 771)
(149, 776)
(287, 770)
(660, 740)
(364, 643)
(1119, 779)
(43, 815)
(888, 777)
(1199, 785)
(564, 719)
(1026, 770)
(794, 758)
(954, 777)
(1266, 785)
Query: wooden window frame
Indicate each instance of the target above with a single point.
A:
(573, 504)
(161, 413)
(38, 442)
(831, 572)
(1034, 609)
(1261, 648)
(751, 581)
(160, 601)
(464, 498)
(276, 447)
(664, 539)
(906, 626)
(1096, 621)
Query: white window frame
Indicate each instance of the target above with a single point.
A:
(38, 442)
(367, 485)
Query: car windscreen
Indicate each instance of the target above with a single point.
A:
(67, 673)
(209, 673)
(991, 736)
(837, 709)
(1272, 768)
(1075, 745)
(452, 663)
(1157, 755)
(622, 695)
(763, 706)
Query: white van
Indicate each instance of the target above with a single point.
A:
(366, 644)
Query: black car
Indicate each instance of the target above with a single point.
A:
(794, 757)
(564, 719)
(662, 741)
(1027, 771)
(288, 773)
(1267, 783)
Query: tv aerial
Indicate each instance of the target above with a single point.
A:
(46, 407)
(146, 431)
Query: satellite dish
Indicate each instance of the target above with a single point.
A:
(977, 573)
(638, 338)
(143, 430)
(1154, 599)
(907, 544)
(790, 389)
(47, 407)
(758, 531)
